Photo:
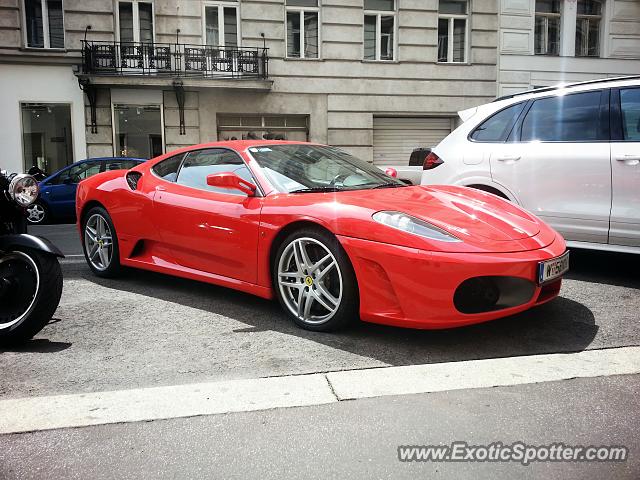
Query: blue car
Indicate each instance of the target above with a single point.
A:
(57, 199)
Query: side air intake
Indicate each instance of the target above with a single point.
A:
(132, 179)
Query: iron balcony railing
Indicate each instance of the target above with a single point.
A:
(173, 59)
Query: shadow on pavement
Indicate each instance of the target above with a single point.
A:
(38, 345)
(609, 268)
(560, 326)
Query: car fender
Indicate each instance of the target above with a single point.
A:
(10, 242)
(467, 181)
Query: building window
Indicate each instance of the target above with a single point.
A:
(588, 28)
(379, 29)
(302, 28)
(263, 127)
(547, 27)
(44, 23)
(46, 136)
(221, 28)
(138, 131)
(135, 21)
(452, 31)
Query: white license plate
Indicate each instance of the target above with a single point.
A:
(552, 269)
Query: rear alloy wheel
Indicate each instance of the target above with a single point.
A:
(100, 243)
(37, 214)
(315, 282)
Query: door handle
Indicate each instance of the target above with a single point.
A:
(509, 158)
(634, 159)
(160, 188)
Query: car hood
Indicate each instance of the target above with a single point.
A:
(460, 211)
(482, 221)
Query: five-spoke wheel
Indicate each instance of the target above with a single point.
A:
(36, 214)
(100, 242)
(315, 281)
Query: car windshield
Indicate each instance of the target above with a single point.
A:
(300, 168)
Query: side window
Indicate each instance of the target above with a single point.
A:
(78, 173)
(168, 169)
(630, 108)
(201, 163)
(120, 165)
(497, 127)
(567, 118)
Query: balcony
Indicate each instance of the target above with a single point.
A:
(175, 65)
(173, 60)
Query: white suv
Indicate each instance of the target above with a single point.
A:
(569, 154)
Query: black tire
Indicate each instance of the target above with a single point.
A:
(45, 214)
(46, 301)
(348, 309)
(114, 268)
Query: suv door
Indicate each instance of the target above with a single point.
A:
(557, 163)
(625, 167)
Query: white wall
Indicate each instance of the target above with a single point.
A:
(27, 83)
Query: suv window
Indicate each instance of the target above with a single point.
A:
(567, 118)
(168, 169)
(201, 163)
(630, 107)
(497, 127)
(78, 173)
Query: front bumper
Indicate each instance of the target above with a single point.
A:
(414, 288)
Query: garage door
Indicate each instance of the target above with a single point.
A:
(394, 138)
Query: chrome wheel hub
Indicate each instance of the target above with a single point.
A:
(98, 242)
(310, 281)
(35, 213)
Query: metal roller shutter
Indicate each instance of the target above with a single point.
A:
(394, 138)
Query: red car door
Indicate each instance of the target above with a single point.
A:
(207, 228)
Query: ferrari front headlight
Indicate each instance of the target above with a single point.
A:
(24, 189)
(413, 225)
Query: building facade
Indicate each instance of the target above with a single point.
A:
(377, 77)
(546, 42)
(88, 78)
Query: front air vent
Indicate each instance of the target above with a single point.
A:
(132, 179)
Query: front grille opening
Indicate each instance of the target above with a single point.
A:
(488, 294)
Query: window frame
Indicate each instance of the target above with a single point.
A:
(451, 17)
(259, 190)
(114, 133)
(604, 118)
(302, 10)
(221, 5)
(617, 130)
(136, 18)
(513, 122)
(45, 28)
(379, 14)
(22, 132)
(600, 19)
(546, 16)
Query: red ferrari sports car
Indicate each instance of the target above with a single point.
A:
(332, 237)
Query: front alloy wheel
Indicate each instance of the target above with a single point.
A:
(315, 281)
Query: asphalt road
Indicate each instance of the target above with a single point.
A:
(357, 439)
(146, 329)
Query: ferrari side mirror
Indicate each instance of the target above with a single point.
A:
(232, 181)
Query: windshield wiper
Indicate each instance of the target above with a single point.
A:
(388, 185)
(318, 190)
